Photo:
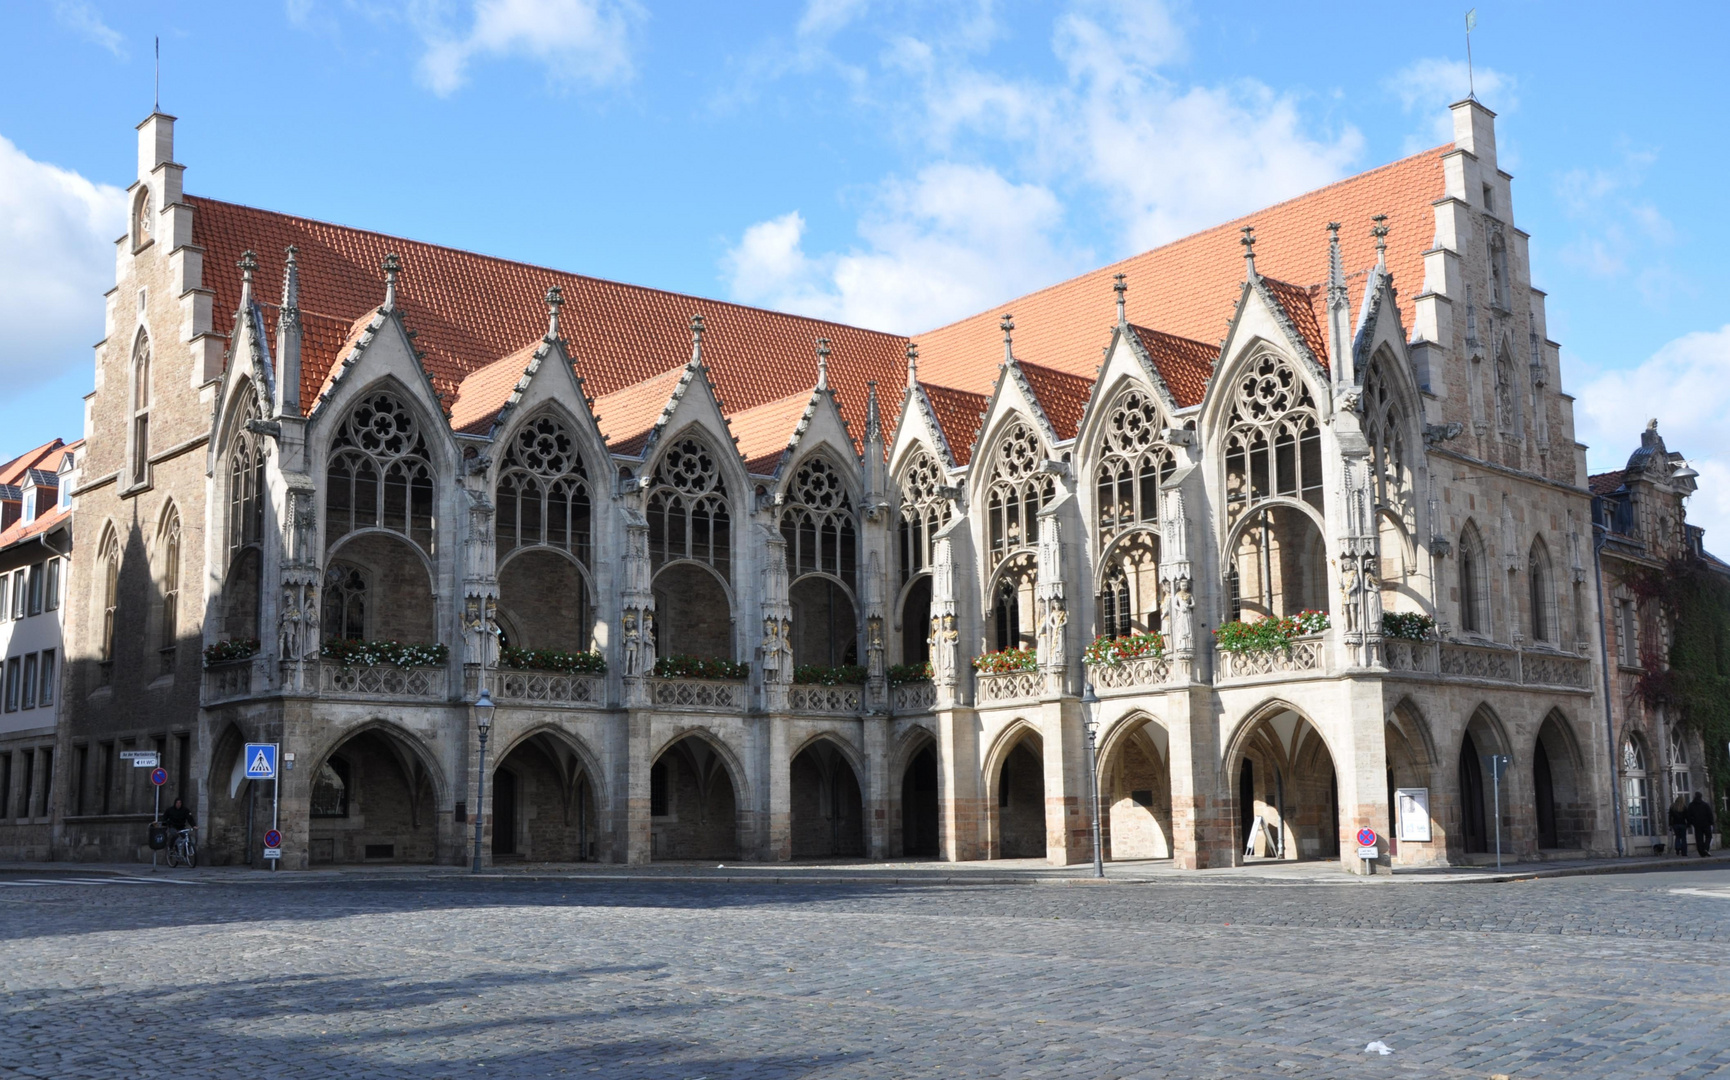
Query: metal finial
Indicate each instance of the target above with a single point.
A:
(822, 363)
(555, 300)
(912, 365)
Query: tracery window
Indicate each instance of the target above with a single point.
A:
(246, 486)
(1385, 427)
(1473, 584)
(109, 555)
(1681, 780)
(688, 510)
(543, 492)
(1273, 441)
(1132, 465)
(1129, 590)
(141, 219)
(380, 474)
(1018, 492)
(818, 525)
(345, 600)
(924, 511)
(141, 410)
(1540, 598)
(168, 543)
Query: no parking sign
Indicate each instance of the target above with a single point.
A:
(1367, 844)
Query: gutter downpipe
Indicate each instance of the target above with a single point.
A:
(1599, 536)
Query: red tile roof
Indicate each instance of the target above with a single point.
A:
(469, 310)
(1608, 482)
(958, 415)
(484, 391)
(1190, 287)
(627, 416)
(1185, 365)
(764, 432)
(44, 459)
(1063, 396)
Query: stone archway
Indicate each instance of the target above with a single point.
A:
(544, 802)
(1135, 791)
(921, 835)
(1476, 788)
(693, 804)
(1562, 809)
(373, 800)
(693, 616)
(1285, 790)
(544, 602)
(1017, 803)
(827, 806)
(232, 804)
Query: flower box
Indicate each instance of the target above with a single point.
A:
(1270, 634)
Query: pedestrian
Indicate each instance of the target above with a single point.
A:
(1679, 824)
(1700, 816)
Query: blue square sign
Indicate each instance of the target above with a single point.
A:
(260, 758)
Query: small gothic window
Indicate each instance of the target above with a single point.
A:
(1543, 621)
(1636, 788)
(1273, 445)
(543, 492)
(345, 599)
(688, 510)
(109, 556)
(1384, 425)
(141, 410)
(924, 511)
(169, 545)
(141, 219)
(246, 486)
(818, 525)
(380, 474)
(1018, 492)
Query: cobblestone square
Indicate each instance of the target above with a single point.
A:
(439, 975)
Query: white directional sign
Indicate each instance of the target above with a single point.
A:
(260, 758)
(141, 759)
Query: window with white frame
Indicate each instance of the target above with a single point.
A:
(1636, 788)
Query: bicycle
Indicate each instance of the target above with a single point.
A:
(184, 848)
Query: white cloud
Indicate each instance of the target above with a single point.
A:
(79, 17)
(577, 41)
(57, 233)
(953, 240)
(1621, 236)
(1427, 87)
(1686, 386)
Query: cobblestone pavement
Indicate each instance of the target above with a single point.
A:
(443, 976)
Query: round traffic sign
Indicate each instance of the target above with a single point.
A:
(272, 838)
(159, 776)
(1366, 838)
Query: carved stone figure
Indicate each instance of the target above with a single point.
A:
(1349, 591)
(1182, 617)
(1372, 599)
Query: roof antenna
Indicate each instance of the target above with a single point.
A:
(912, 365)
(1119, 288)
(158, 106)
(1007, 324)
(1248, 243)
(1471, 24)
(822, 364)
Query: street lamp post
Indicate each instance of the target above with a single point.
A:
(1090, 726)
(483, 727)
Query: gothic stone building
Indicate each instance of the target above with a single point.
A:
(763, 526)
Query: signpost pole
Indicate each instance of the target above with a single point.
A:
(276, 807)
(156, 817)
(1497, 772)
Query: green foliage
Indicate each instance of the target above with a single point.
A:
(823, 675)
(1409, 625)
(906, 673)
(350, 652)
(1112, 651)
(1696, 598)
(1006, 660)
(696, 667)
(565, 663)
(1267, 635)
(223, 652)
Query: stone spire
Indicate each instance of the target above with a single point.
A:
(555, 301)
(392, 267)
(1339, 308)
(288, 338)
(873, 414)
(1119, 287)
(1248, 243)
(912, 365)
(1380, 232)
(822, 365)
(1007, 325)
(248, 264)
(697, 339)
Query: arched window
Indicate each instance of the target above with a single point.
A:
(1129, 589)
(1273, 439)
(818, 525)
(1541, 597)
(141, 410)
(168, 544)
(1385, 421)
(924, 511)
(543, 492)
(1133, 463)
(380, 474)
(1018, 492)
(345, 602)
(1681, 779)
(688, 511)
(1473, 584)
(1636, 788)
(141, 218)
(108, 555)
(245, 486)
(1006, 614)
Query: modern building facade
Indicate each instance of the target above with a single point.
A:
(750, 585)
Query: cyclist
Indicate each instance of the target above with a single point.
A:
(178, 816)
(184, 845)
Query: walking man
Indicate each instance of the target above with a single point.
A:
(1700, 817)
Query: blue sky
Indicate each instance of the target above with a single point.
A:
(892, 164)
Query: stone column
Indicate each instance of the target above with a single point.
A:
(1068, 814)
(630, 810)
(778, 845)
(1363, 779)
(1200, 809)
(877, 785)
(960, 808)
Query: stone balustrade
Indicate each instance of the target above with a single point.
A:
(1479, 662)
(1303, 655)
(1142, 672)
(913, 697)
(521, 687)
(382, 681)
(1007, 686)
(826, 700)
(1554, 669)
(229, 680)
(697, 693)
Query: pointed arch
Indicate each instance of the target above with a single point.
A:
(1541, 621)
(689, 504)
(380, 473)
(141, 379)
(108, 599)
(588, 761)
(1015, 792)
(543, 494)
(1269, 444)
(167, 554)
(1015, 490)
(1472, 582)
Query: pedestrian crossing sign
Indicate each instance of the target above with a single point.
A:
(260, 758)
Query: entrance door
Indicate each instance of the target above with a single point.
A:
(919, 806)
(504, 812)
(1472, 829)
(1544, 792)
(1245, 803)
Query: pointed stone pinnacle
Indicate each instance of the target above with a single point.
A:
(822, 363)
(1120, 287)
(392, 267)
(555, 300)
(1248, 243)
(912, 365)
(1007, 325)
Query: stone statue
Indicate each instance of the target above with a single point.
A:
(631, 643)
(1182, 616)
(1349, 591)
(1372, 599)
